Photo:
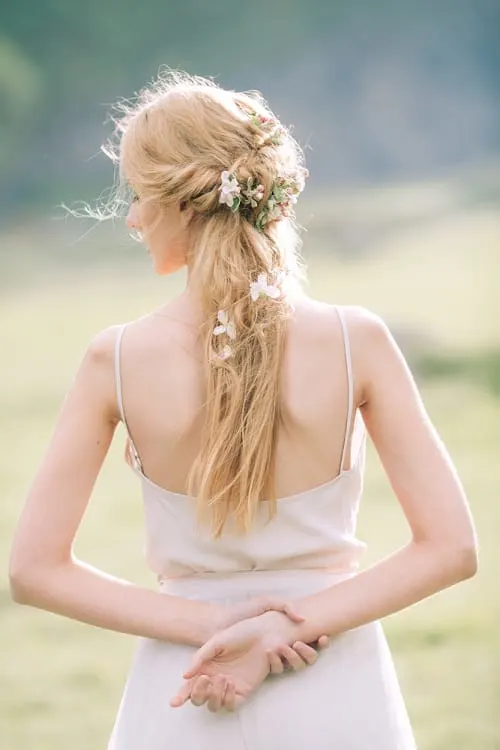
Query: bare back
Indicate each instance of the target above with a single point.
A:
(162, 394)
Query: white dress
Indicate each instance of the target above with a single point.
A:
(348, 700)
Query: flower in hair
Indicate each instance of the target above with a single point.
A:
(253, 193)
(229, 191)
(262, 288)
(259, 120)
(225, 352)
(264, 121)
(283, 195)
(225, 325)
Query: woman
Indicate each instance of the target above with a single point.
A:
(245, 404)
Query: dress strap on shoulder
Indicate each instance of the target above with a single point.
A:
(350, 384)
(134, 459)
(118, 375)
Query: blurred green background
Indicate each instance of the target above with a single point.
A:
(398, 107)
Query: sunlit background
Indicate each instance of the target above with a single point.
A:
(398, 107)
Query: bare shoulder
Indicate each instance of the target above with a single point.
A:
(365, 327)
(369, 334)
(96, 374)
(361, 322)
(375, 355)
(101, 348)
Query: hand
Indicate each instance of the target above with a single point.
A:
(220, 692)
(239, 654)
(297, 656)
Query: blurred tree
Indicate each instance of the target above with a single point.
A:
(403, 87)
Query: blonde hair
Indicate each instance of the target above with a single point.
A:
(174, 143)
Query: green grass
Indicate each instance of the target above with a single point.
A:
(60, 682)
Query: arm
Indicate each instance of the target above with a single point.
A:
(442, 550)
(43, 569)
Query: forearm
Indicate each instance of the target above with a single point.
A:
(78, 591)
(411, 574)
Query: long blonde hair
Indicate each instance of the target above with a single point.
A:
(174, 143)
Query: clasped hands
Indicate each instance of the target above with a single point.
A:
(248, 641)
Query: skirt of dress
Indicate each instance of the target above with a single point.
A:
(348, 700)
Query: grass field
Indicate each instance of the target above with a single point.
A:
(60, 682)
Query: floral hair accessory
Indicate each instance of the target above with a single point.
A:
(283, 196)
(225, 352)
(232, 194)
(259, 120)
(277, 132)
(262, 288)
(226, 326)
(229, 191)
(253, 193)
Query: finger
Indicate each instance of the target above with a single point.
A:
(292, 613)
(276, 666)
(216, 693)
(230, 697)
(182, 696)
(278, 605)
(209, 651)
(306, 652)
(292, 659)
(323, 641)
(200, 690)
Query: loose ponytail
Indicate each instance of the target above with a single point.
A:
(234, 469)
(183, 137)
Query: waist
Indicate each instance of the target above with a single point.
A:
(239, 585)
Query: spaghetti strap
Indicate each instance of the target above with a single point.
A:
(350, 387)
(118, 376)
(134, 456)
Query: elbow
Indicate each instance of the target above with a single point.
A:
(449, 563)
(461, 562)
(19, 590)
(35, 581)
(22, 585)
(26, 583)
(467, 562)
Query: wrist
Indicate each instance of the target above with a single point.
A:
(213, 622)
(276, 626)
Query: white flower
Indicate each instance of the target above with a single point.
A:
(262, 287)
(229, 189)
(226, 352)
(226, 326)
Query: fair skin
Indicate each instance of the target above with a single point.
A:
(239, 645)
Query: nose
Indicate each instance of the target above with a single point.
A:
(132, 219)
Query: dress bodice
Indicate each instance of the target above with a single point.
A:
(312, 529)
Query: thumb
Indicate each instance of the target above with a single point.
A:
(278, 605)
(209, 651)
